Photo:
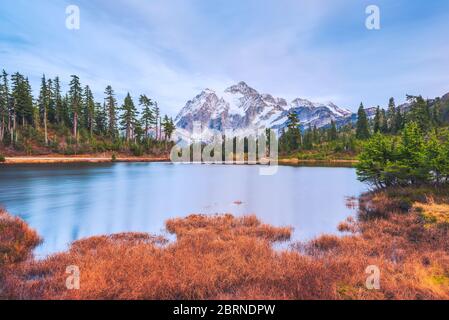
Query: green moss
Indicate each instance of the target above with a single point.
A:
(441, 280)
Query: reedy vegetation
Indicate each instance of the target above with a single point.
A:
(403, 232)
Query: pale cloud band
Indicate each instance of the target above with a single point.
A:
(172, 49)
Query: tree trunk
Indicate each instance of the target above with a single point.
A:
(45, 127)
(10, 128)
(75, 127)
(2, 129)
(160, 128)
(14, 129)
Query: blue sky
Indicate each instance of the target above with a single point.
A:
(171, 49)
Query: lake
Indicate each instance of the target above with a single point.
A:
(68, 202)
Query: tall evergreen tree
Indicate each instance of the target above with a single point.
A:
(111, 107)
(157, 121)
(436, 113)
(169, 127)
(412, 155)
(291, 139)
(148, 117)
(332, 131)
(75, 100)
(362, 127)
(308, 140)
(391, 116)
(419, 113)
(101, 119)
(377, 120)
(400, 121)
(383, 121)
(51, 116)
(22, 99)
(128, 118)
(89, 110)
(4, 100)
(57, 97)
(43, 103)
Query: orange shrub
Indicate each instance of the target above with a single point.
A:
(17, 240)
(227, 257)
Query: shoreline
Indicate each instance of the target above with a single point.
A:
(312, 162)
(53, 159)
(78, 159)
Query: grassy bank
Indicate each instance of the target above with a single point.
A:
(315, 163)
(404, 232)
(82, 159)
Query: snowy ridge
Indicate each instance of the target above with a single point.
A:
(241, 110)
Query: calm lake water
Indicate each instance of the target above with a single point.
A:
(68, 202)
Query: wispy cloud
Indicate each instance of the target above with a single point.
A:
(172, 49)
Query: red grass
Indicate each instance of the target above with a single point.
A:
(224, 257)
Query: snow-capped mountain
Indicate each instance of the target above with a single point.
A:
(241, 109)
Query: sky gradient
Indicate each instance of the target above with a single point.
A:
(172, 49)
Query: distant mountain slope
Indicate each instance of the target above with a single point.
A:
(240, 109)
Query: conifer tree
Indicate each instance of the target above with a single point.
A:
(383, 121)
(22, 99)
(4, 101)
(332, 131)
(391, 116)
(101, 119)
(436, 113)
(75, 100)
(400, 121)
(169, 127)
(111, 107)
(412, 155)
(419, 113)
(308, 140)
(128, 118)
(51, 113)
(43, 107)
(57, 97)
(377, 121)
(157, 121)
(89, 110)
(148, 117)
(362, 127)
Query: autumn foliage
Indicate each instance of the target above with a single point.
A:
(227, 257)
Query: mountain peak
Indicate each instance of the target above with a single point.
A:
(300, 102)
(241, 108)
(242, 88)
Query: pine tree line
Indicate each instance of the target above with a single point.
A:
(76, 118)
(348, 138)
(405, 148)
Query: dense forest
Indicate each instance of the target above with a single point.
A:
(399, 146)
(74, 122)
(346, 141)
